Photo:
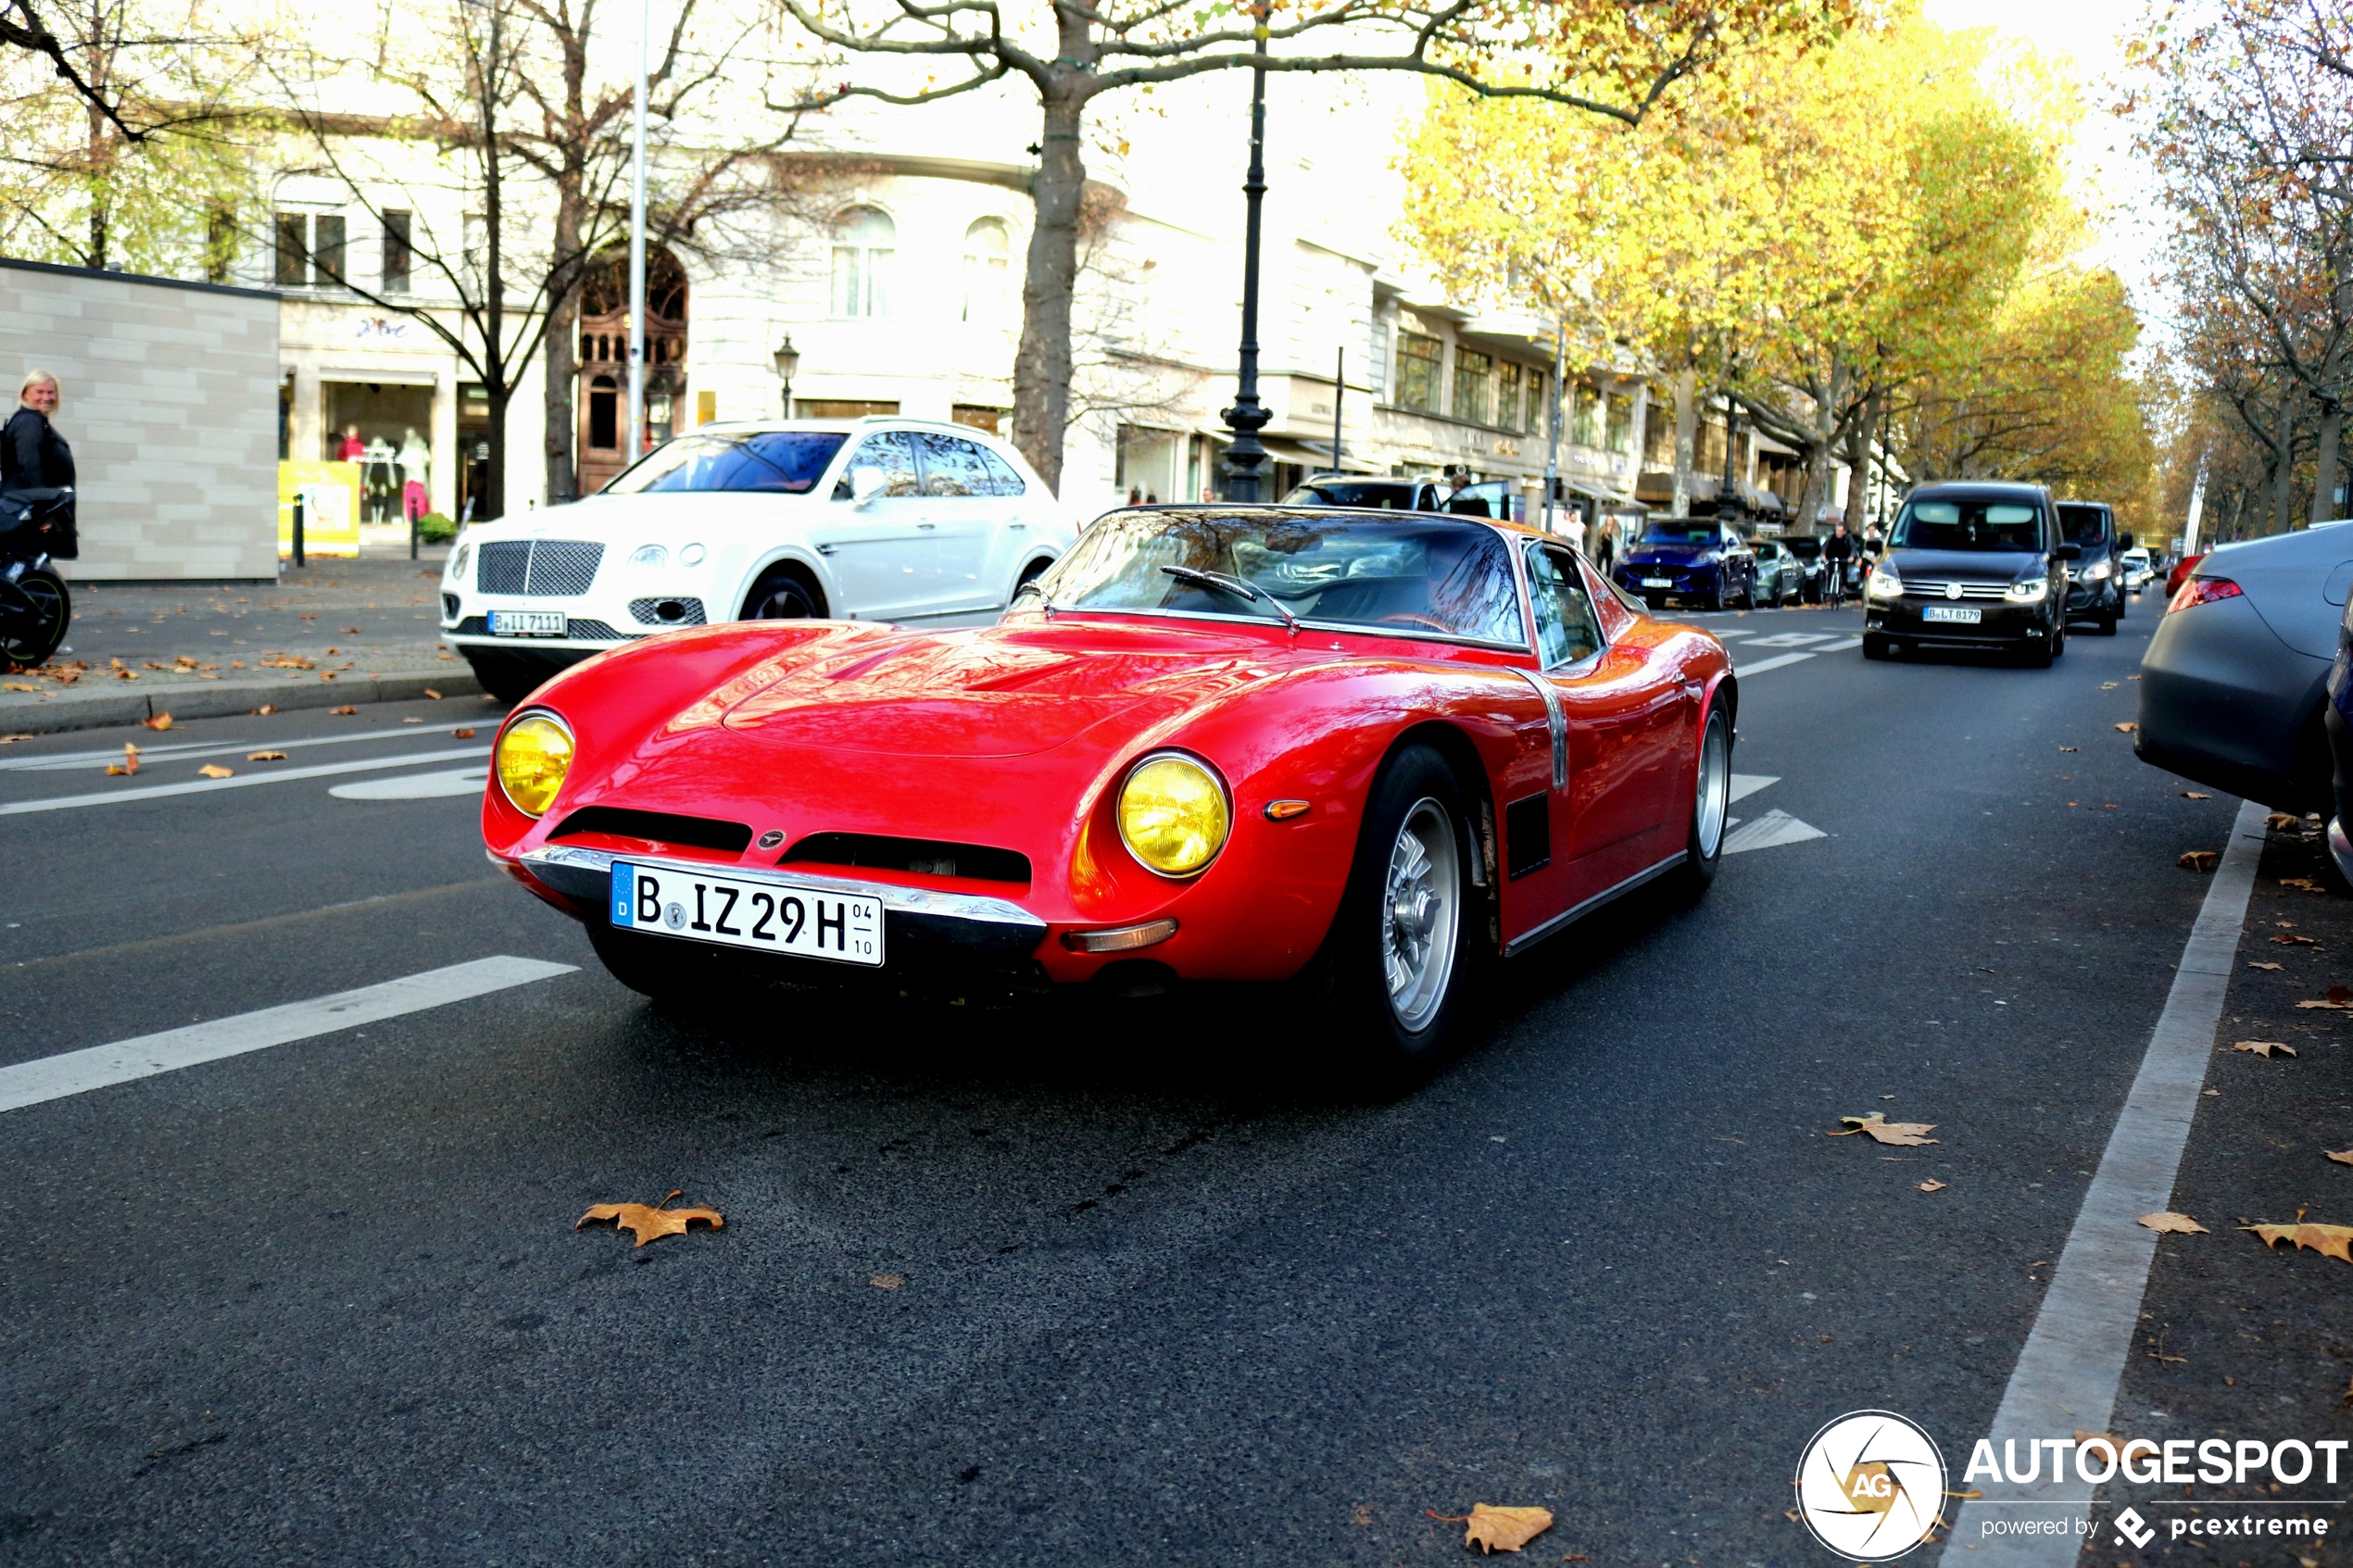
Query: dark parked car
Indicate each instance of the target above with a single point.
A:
(2237, 687)
(1971, 566)
(1698, 560)
(1379, 495)
(1807, 550)
(2095, 583)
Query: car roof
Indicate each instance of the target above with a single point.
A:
(1975, 489)
(1370, 514)
(849, 426)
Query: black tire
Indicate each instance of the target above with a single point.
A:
(1716, 600)
(1877, 647)
(2107, 625)
(1711, 799)
(507, 676)
(44, 594)
(784, 594)
(2036, 657)
(1391, 1041)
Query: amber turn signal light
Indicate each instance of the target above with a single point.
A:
(1283, 811)
(1126, 938)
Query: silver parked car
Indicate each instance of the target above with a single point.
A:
(2234, 687)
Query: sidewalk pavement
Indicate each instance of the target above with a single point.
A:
(328, 633)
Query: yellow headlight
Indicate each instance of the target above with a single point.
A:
(1173, 815)
(532, 758)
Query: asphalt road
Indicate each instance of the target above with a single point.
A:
(1162, 1298)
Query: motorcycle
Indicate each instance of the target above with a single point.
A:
(35, 607)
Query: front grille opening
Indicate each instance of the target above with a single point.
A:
(659, 827)
(932, 857)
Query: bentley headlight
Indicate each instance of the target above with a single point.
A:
(2098, 572)
(2029, 592)
(457, 562)
(1885, 584)
(1172, 814)
(650, 555)
(532, 756)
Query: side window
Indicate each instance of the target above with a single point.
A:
(1008, 482)
(890, 451)
(1567, 632)
(953, 466)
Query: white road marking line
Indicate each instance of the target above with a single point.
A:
(1770, 832)
(199, 787)
(2067, 1376)
(415, 787)
(1747, 785)
(54, 1077)
(1841, 648)
(1764, 664)
(1794, 640)
(69, 761)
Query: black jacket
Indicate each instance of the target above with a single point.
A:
(32, 455)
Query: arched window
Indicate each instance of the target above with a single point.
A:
(987, 248)
(863, 242)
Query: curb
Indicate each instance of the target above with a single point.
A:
(88, 710)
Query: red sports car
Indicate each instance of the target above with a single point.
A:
(1366, 751)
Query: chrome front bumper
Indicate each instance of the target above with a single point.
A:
(921, 917)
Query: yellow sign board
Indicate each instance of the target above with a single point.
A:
(329, 497)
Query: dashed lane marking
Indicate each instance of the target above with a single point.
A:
(74, 761)
(416, 786)
(55, 1077)
(1840, 647)
(1764, 664)
(1794, 640)
(203, 786)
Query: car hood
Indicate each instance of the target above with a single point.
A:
(635, 520)
(1671, 555)
(1967, 566)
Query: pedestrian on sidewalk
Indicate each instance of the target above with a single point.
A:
(34, 456)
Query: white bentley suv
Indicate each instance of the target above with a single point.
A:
(878, 518)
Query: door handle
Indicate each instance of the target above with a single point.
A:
(926, 525)
(827, 549)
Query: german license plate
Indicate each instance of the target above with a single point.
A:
(1960, 615)
(526, 623)
(1658, 581)
(767, 917)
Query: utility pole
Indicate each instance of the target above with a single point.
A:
(1553, 421)
(1339, 391)
(634, 442)
(2197, 505)
(1248, 417)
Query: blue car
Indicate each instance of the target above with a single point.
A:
(1697, 561)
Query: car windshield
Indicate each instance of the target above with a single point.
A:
(1968, 525)
(1803, 548)
(1678, 531)
(1406, 577)
(2083, 525)
(790, 461)
(1384, 494)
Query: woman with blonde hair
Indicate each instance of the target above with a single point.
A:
(36, 458)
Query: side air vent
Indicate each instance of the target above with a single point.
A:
(659, 827)
(930, 856)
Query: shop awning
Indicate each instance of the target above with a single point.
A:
(1314, 454)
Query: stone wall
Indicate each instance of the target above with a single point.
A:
(170, 399)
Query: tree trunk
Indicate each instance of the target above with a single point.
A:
(1686, 437)
(2324, 462)
(2283, 468)
(559, 356)
(1858, 461)
(1041, 365)
(491, 504)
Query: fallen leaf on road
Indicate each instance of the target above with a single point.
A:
(160, 722)
(2108, 685)
(1931, 1186)
(2263, 1048)
(2335, 1241)
(2071, 748)
(2296, 941)
(1905, 1134)
(2126, 729)
(2115, 1444)
(346, 711)
(412, 720)
(215, 771)
(1498, 1529)
(351, 631)
(2196, 795)
(265, 756)
(2305, 883)
(2339, 1000)
(461, 735)
(2170, 1224)
(130, 764)
(888, 1282)
(6, 740)
(2280, 822)
(2266, 966)
(650, 1220)
(266, 707)
(2342, 1156)
(17, 686)
(2200, 860)
(434, 695)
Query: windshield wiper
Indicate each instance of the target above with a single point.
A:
(1239, 587)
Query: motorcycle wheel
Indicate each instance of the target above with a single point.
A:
(34, 618)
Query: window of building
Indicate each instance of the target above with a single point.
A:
(988, 248)
(399, 252)
(1473, 386)
(864, 242)
(1659, 432)
(1621, 422)
(1508, 395)
(1418, 359)
(1533, 419)
(326, 249)
(292, 260)
(1585, 416)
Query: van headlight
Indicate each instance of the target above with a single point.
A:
(2030, 592)
(2098, 572)
(533, 755)
(1173, 815)
(1885, 583)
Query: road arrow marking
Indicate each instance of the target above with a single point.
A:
(1770, 832)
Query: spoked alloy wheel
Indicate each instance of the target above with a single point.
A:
(1421, 914)
(1704, 850)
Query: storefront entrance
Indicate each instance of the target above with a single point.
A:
(600, 402)
(385, 429)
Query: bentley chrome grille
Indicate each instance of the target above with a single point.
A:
(537, 568)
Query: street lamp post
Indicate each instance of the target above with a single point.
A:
(787, 360)
(636, 420)
(1248, 417)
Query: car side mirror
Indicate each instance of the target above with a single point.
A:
(2069, 552)
(865, 484)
